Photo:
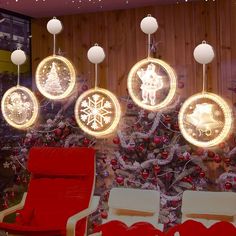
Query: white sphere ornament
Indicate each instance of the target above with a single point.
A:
(18, 57)
(204, 53)
(96, 54)
(149, 25)
(54, 26)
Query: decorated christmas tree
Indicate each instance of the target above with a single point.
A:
(52, 83)
(150, 153)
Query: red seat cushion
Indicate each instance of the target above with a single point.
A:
(193, 228)
(117, 228)
(114, 228)
(222, 228)
(24, 217)
(143, 228)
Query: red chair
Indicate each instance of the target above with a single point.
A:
(60, 194)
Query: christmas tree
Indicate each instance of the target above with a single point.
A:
(52, 83)
(150, 153)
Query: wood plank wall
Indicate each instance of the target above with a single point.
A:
(181, 28)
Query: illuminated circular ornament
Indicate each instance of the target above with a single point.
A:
(205, 119)
(19, 107)
(152, 84)
(55, 77)
(97, 112)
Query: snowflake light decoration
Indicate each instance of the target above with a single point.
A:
(205, 119)
(19, 107)
(55, 77)
(97, 112)
(152, 84)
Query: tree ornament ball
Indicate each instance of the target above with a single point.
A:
(217, 159)
(204, 53)
(120, 180)
(54, 26)
(157, 139)
(157, 169)
(149, 25)
(19, 107)
(18, 57)
(145, 174)
(228, 185)
(164, 154)
(116, 140)
(55, 77)
(96, 54)
(202, 174)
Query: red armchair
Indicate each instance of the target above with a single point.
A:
(60, 194)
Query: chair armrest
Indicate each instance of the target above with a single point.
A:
(13, 208)
(72, 221)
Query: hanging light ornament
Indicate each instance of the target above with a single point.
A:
(97, 111)
(19, 105)
(55, 75)
(151, 82)
(205, 119)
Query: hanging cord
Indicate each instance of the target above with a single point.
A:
(18, 75)
(54, 44)
(204, 80)
(96, 75)
(204, 77)
(149, 45)
(18, 72)
(96, 72)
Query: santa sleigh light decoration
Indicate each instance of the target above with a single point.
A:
(151, 82)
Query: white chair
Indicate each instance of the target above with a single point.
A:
(134, 205)
(209, 207)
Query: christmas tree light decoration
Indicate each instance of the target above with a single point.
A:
(205, 119)
(55, 75)
(97, 111)
(151, 82)
(19, 105)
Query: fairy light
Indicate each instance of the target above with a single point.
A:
(205, 119)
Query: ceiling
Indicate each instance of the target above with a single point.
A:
(46, 8)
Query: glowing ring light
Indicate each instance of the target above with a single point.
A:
(97, 112)
(55, 77)
(152, 84)
(205, 119)
(19, 107)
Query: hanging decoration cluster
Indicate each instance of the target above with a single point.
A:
(205, 119)
(19, 105)
(151, 82)
(97, 111)
(55, 75)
